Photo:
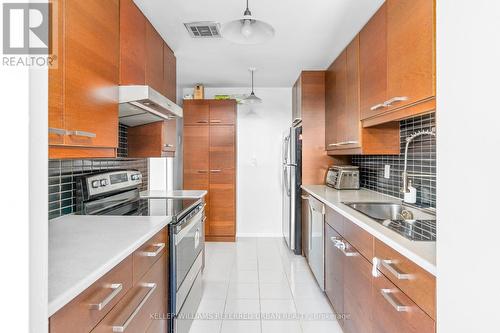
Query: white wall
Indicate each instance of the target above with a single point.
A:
(468, 125)
(260, 129)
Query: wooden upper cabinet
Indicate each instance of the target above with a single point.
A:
(132, 44)
(373, 64)
(335, 103)
(169, 88)
(154, 58)
(56, 106)
(351, 133)
(222, 112)
(91, 37)
(156, 139)
(397, 62)
(410, 51)
(196, 112)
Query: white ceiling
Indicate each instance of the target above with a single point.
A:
(309, 35)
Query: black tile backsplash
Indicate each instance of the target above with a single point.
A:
(421, 159)
(122, 141)
(62, 175)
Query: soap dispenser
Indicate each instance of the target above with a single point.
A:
(411, 195)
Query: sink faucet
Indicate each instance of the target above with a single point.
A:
(405, 174)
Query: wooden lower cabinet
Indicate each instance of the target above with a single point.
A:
(357, 292)
(136, 311)
(387, 318)
(334, 273)
(139, 306)
(368, 304)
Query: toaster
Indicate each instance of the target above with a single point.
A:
(343, 177)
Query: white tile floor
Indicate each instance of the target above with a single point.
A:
(257, 285)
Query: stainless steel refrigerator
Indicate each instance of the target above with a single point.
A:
(292, 180)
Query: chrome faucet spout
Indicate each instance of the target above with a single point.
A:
(405, 175)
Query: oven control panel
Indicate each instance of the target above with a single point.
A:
(112, 181)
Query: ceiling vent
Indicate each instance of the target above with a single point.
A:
(203, 29)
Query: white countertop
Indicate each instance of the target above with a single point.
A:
(422, 253)
(178, 194)
(84, 248)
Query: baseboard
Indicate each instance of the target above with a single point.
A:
(259, 234)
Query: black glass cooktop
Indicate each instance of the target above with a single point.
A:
(167, 207)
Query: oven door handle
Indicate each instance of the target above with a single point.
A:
(195, 220)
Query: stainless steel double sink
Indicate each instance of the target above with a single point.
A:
(412, 223)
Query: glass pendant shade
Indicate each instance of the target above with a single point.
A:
(247, 30)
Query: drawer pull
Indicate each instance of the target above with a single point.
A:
(160, 247)
(216, 121)
(123, 327)
(116, 289)
(202, 171)
(339, 244)
(378, 106)
(216, 171)
(82, 133)
(333, 144)
(347, 143)
(386, 293)
(394, 100)
(202, 122)
(168, 145)
(390, 265)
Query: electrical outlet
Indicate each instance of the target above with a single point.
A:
(387, 171)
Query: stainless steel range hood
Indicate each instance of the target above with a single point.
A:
(141, 105)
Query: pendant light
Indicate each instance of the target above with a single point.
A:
(252, 99)
(247, 30)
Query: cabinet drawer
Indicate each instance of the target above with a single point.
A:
(87, 309)
(334, 220)
(413, 280)
(148, 254)
(145, 302)
(394, 312)
(359, 238)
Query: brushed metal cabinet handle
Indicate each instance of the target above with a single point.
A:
(202, 122)
(216, 171)
(347, 143)
(332, 144)
(342, 247)
(216, 121)
(168, 145)
(394, 100)
(386, 293)
(82, 133)
(116, 288)
(390, 265)
(202, 171)
(123, 327)
(378, 106)
(160, 247)
(58, 131)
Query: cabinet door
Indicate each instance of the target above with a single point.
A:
(132, 44)
(154, 58)
(334, 271)
(91, 38)
(196, 112)
(56, 107)
(169, 74)
(169, 138)
(357, 291)
(222, 181)
(410, 51)
(335, 103)
(352, 121)
(394, 312)
(222, 112)
(373, 64)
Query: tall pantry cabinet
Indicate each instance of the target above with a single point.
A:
(210, 162)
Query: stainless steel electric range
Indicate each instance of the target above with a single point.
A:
(117, 193)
